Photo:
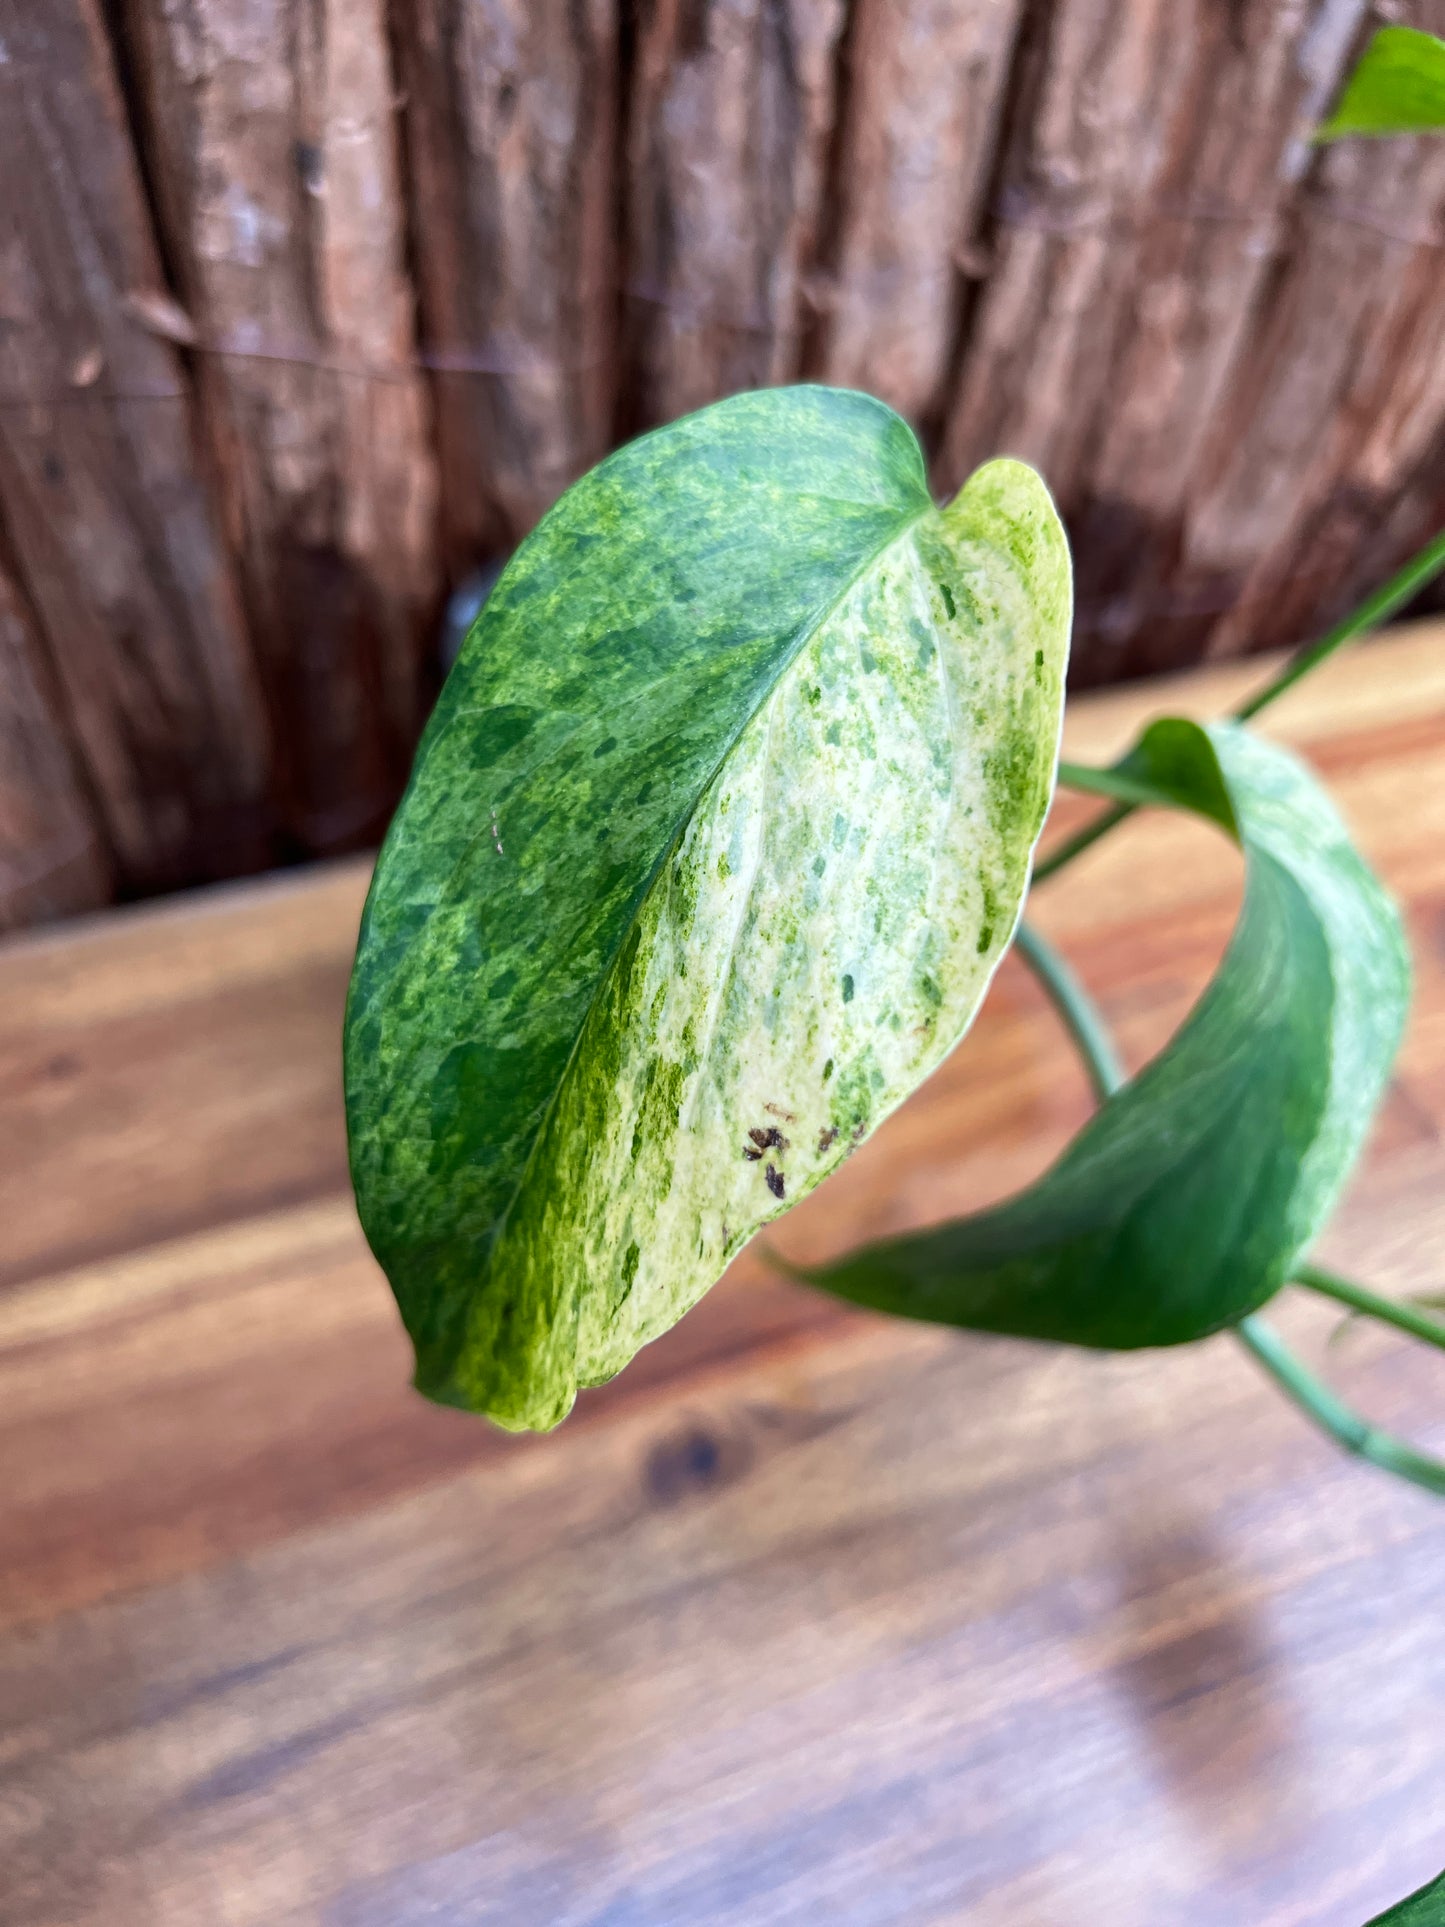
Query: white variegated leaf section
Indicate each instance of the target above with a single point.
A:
(826, 926)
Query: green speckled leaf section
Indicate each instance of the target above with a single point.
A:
(720, 828)
(1186, 1201)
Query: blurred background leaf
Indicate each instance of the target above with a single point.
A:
(1398, 87)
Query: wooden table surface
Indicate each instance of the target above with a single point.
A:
(809, 1617)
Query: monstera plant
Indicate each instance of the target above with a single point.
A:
(724, 820)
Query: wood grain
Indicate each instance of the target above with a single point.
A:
(1217, 224)
(107, 520)
(808, 1616)
(1222, 347)
(924, 93)
(1096, 90)
(51, 862)
(1333, 465)
(730, 107)
(271, 137)
(310, 308)
(511, 121)
(105, 1031)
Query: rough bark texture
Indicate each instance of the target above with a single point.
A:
(1128, 138)
(309, 308)
(271, 133)
(1208, 246)
(731, 106)
(511, 129)
(51, 862)
(1332, 435)
(1186, 317)
(923, 94)
(1094, 88)
(106, 514)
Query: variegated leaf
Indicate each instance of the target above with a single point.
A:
(721, 828)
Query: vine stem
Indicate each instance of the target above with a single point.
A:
(1082, 839)
(1372, 1304)
(1082, 1018)
(1086, 1025)
(1417, 574)
(1331, 1414)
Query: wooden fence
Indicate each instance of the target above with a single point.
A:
(307, 306)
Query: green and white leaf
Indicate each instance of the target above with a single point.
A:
(1397, 88)
(1189, 1197)
(718, 833)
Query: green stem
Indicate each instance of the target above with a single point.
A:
(1081, 1016)
(1418, 573)
(1082, 840)
(1332, 1415)
(1360, 1298)
(1110, 783)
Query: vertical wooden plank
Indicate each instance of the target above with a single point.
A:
(924, 93)
(1097, 87)
(511, 130)
(272, 141)
(51, 859)
(1218, 222)
(1392, 500)
(1328, 460)
(731, 106)
(108, 516)
(1333, 521)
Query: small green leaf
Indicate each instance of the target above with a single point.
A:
(1398, 87)
(1423, 1908)
(718, 833)
(1186, 1200)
